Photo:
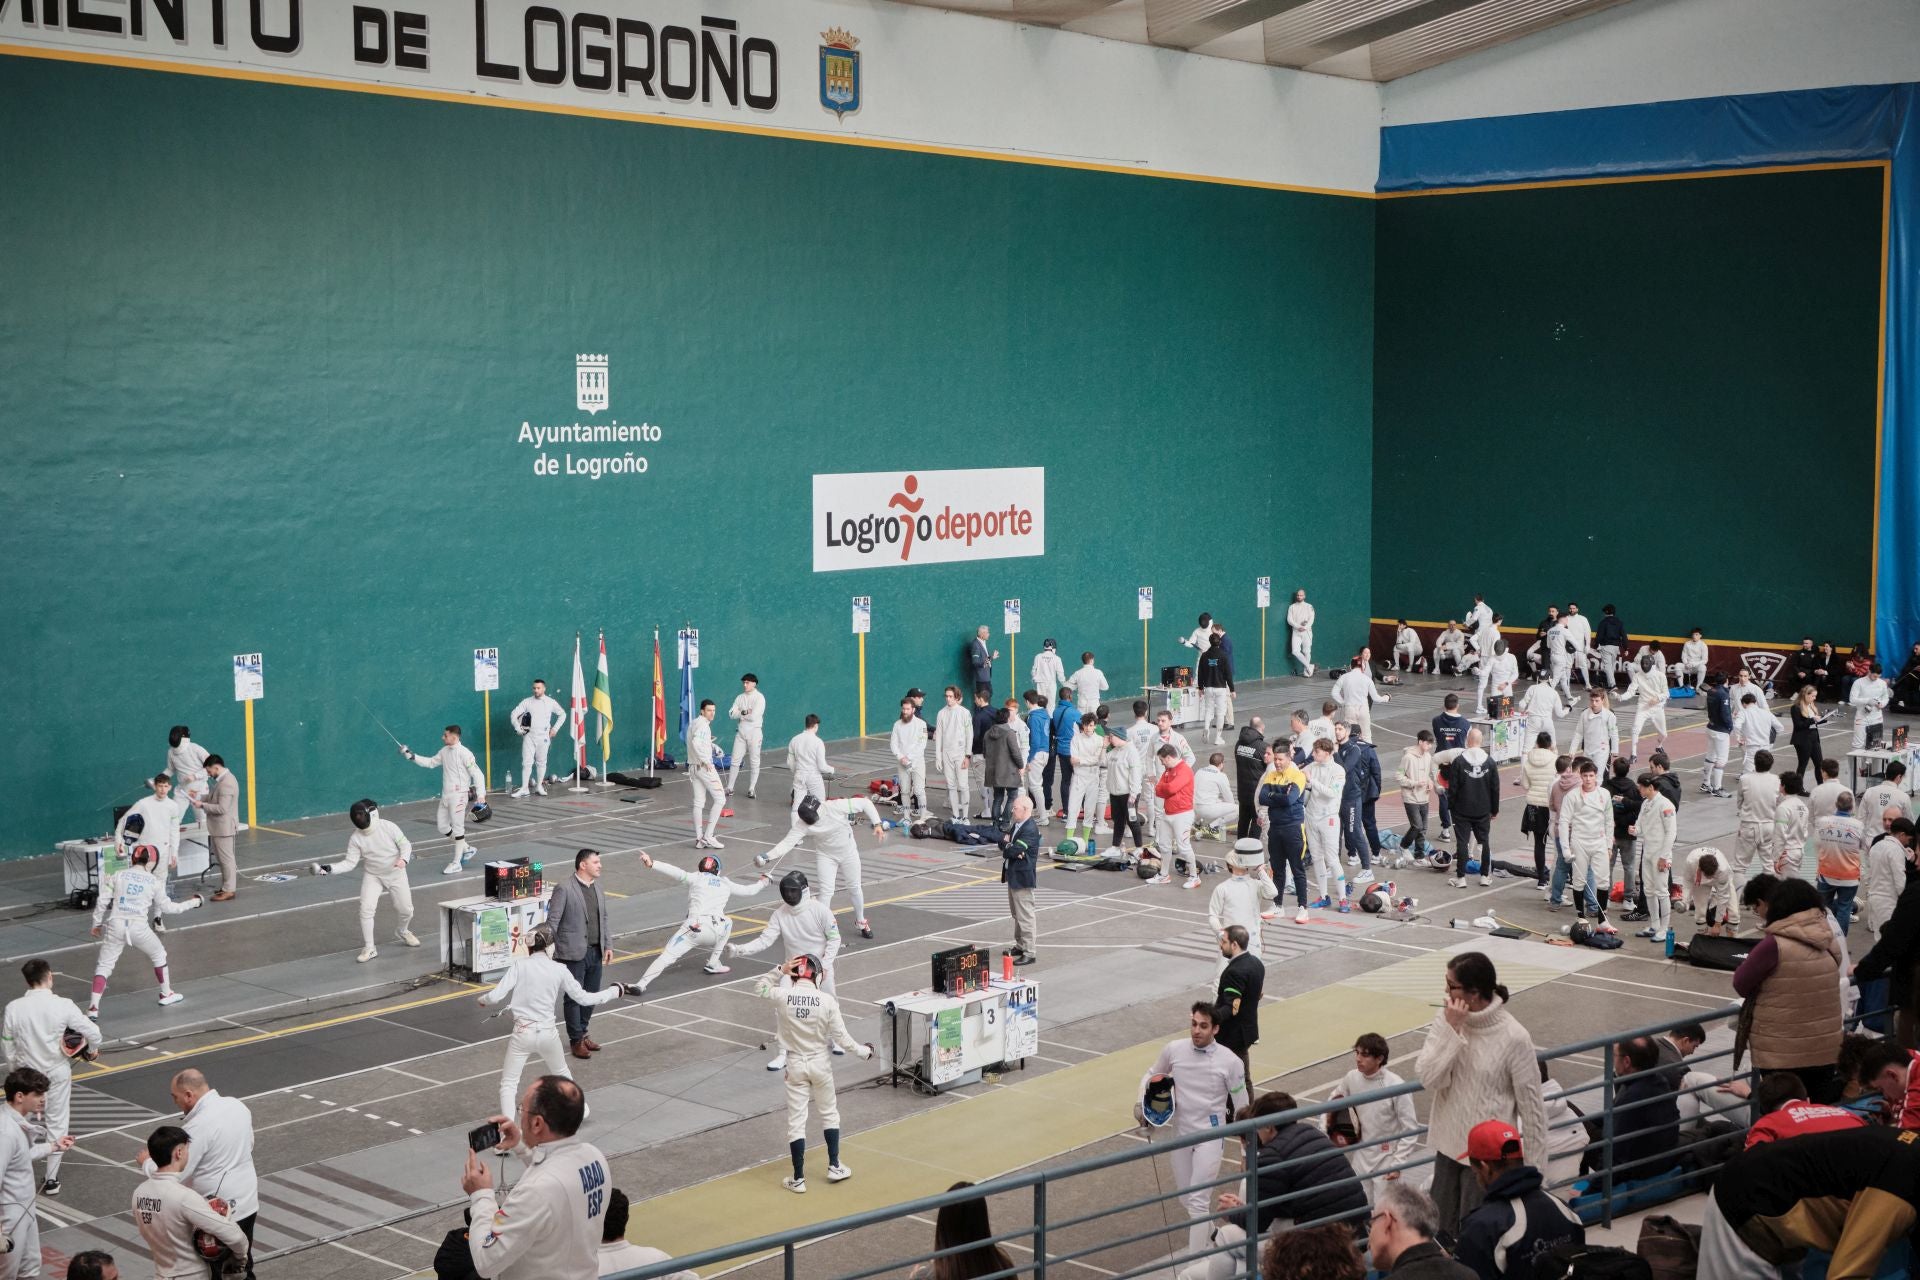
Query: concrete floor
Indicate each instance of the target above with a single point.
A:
(364, 1078)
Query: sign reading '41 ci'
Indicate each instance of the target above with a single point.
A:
(249, 677)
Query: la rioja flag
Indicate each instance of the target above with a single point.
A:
(579, 716)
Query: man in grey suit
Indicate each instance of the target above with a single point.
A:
(577, 913)
(220, 805)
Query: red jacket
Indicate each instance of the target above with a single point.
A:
(1797, 1118)
(1175, 788)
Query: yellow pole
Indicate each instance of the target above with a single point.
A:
(1013, 660)
(1263, 644)
(252, 816)
(486, 719)
(863, 684)
(1144, 682)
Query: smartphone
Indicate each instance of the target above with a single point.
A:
(484, 1138)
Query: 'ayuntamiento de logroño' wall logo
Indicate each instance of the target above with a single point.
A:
(889, 519)
(616, 448)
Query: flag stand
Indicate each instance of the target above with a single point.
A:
(653, 726)
(579, 722)
(606, 720)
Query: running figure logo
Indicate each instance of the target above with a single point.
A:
(911, 505)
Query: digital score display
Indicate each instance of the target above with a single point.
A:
(961, 971)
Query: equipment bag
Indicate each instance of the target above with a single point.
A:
(1718, 953)
(1571, 1261)
(1671, 1247)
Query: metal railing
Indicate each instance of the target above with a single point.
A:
(1056, 1243)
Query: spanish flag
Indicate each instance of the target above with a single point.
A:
(659, 702)
(603, 702)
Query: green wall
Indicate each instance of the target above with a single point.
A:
(1659, 394)
(267, 351)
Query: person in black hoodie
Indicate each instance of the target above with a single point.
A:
(1449, 734)
(1518, 1223)
(1249, 765)
(1473, 791)
(1611, 639)
(1297, 1160)
(1713, 768)
(1625, 792)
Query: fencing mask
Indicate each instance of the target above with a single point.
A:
(806, 968)
(480, 811)
(793, 887)
(710, 865)
(362, 814)
(177, 735)
(809, 810)
(1248, 853)
(1156, 1101)
(144, 855)
(541, 938)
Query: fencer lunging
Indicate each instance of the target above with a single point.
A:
(802, 926)
(708, 893)
(809, 1022)
(837, 856)
(129, 900)
(705, 777)
(536, 720)
(532, 986)
(461, 784)
(382, 852)
(749, 714)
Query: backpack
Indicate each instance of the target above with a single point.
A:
(1671, 1248)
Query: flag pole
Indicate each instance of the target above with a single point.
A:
(653, 741)
(606, 721)
(577, 716)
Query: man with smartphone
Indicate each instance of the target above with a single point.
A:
(548, 1224)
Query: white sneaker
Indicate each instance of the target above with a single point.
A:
(1301, 916)
(366, 955)
(1486, 881)
(714, 844)
(1269, 915)
(521, 794)
(172, 997)
(1546, 892)
(1162, 878)
(1353, 859)
(838, 1173)
(1193, 882)
(407, 938)
(718, 968)
(541, 789)
(93, 1013)
(778, 1062)
(451, 869)
(1364, 877)
(1458, 882)
(796, 1185)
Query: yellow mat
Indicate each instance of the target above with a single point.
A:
(1012, 1128)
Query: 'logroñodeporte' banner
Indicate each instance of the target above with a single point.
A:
(892, 519)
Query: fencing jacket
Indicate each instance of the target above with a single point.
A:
(459, 771)
(707, 893)
(1693, 653)
(1755, 726)
(533, 986)
(1869, 697)
(1556, 642)
(1542, 702)
(1452, 643)
(1586, 819)
(167, 1213)
(1300, 616)
(18, 1186)
(835, 827)
(1407, 640)
(909, 739)
(1210, 786)
(1579, 631)
(1089, 749)
(547, 1226)
(1355, 689)
(1048, 671)
(34, 1029)
(220, 1159)
(1657, 826)
(1209, 1085)
(1757, 798)
(1088, 683)
(187, 762)
(1597, 736)
(135, 896)
(541, 712)
(1649, 686)
(163, 825)
(1325, 781)
(808, 929)
(1240, 900)
(807, 757)
(953, 733)
(809, 1018)
(381, 847)
(1502, 673)
(700, 744)
(750, 709)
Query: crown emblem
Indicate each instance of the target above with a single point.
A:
(839, 38)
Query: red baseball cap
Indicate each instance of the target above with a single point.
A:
(1492, 1140)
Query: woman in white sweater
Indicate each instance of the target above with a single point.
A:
(1478, 1064)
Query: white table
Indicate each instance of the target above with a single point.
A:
(942, 1042)
(85, 863)
(1183, 702)
(1504, 739)
(479, 936)
(1884, 756)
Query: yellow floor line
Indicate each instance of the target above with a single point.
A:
(279, 831)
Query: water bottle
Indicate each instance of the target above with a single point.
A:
(1669, 942)
(506, 783)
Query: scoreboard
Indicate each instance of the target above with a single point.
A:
(960, 971)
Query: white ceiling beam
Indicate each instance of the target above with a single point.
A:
(1322, 28)
(1184, 24)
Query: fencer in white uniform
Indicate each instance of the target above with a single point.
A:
(1300, 626)
(1580, 635)
(836, 855)
(382, 852)
(1407, 648)
(20, 1146)
(1213, 803)
(1084, 798)
(536, 719)
(1542, 706)
(1087, 684)
(461, 784)
(186, 764)
(749, 716)
(1321, 822)
(809, 1024)
(1498, 673)
(1209, 1088)
(807, 757)
(532, 986)
(1650, 691)
(1049, 673)
(705, 777)
(1560, 658)
(706, 923)
(1355, 692)
(1243, 896)
(1869, 697)
(1693, 660)
(953, 750)
(33, 1033)
(802, 926)
(908, 742)
(129, 901)
(160, 815)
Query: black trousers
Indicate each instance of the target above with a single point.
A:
(246, 1228)
(1123, 818)
(1471, 830)
(586, 972)
(1249, 815)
